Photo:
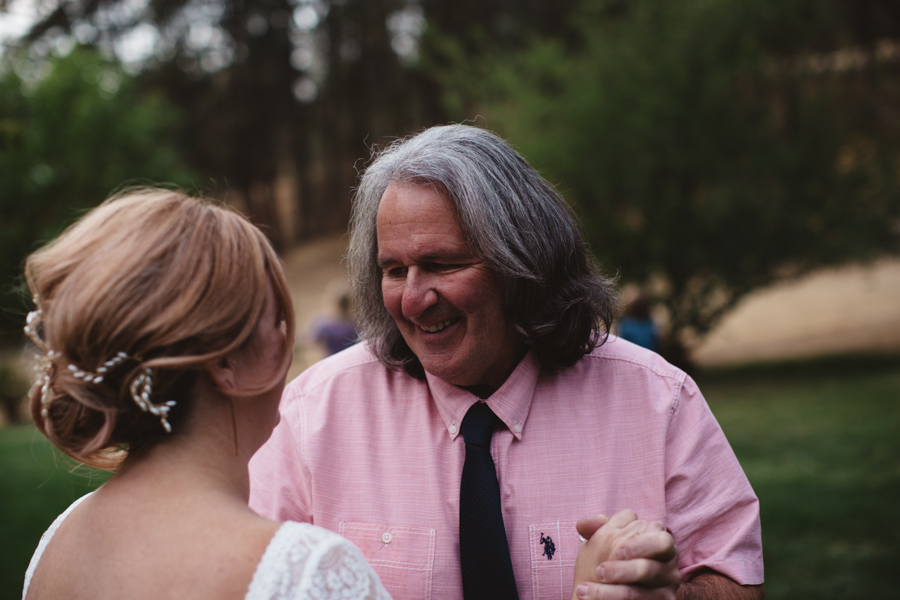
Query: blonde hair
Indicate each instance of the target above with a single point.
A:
(173, 282)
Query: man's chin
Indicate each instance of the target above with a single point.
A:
(442, 369)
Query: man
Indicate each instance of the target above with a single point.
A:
(472, 283)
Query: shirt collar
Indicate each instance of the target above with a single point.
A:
(510, 403)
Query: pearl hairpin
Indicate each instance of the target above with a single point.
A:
(141, 387)
(46, 364)
(98, 376)
(31, 327)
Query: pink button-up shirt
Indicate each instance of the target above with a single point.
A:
(376, 456)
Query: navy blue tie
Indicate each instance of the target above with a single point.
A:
(487, 571)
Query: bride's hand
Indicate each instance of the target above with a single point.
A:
(608, 540)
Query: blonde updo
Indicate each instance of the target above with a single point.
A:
(172, 282)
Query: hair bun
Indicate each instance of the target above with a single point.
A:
(75, 413)
(131, 301)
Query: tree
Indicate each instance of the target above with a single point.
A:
(71, 130)
(712, 146)
(295, 91)
(279, 99)
(274, 91)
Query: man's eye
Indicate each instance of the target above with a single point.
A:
(395, 272)
(443, 266)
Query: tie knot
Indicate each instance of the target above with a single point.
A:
(478, 425)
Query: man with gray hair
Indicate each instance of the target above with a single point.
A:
(489, 409)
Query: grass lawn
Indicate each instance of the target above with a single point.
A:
(818, 440)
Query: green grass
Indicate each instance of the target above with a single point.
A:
(819, 440)
(36, 484)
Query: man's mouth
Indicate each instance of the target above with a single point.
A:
(438, 326)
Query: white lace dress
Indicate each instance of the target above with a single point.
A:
(302, 562)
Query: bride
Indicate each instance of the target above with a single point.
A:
(166, 331)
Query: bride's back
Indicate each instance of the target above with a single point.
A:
(104, 550)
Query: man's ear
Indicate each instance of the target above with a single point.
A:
(222, 374)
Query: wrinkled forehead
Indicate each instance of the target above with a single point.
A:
(430, 187)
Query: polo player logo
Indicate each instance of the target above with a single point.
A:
(549, 546)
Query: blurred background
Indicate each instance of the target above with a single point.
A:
(735, 162)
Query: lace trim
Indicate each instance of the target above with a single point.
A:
(310, 563)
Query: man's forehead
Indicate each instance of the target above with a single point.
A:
(423, 248)
(418, 212)
(418, 194)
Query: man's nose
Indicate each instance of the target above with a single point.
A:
(418, 294)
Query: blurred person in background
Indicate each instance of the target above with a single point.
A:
(336, 332)
(166, 330)
(489, 410)
(637, 326)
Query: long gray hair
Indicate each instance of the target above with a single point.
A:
(512, 219)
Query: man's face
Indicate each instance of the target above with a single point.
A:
(442, 297)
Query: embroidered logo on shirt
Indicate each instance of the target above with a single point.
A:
(549, 546)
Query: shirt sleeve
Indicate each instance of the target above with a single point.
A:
(712, 511)
(279, 479)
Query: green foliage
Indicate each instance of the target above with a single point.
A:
(68, 137)
(13, 390)
(283, 97)
(710, 146)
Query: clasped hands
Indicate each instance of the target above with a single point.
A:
(625, 558)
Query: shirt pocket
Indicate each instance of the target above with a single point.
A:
(403, 557)
(554, 547)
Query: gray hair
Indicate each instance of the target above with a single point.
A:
(512, 219)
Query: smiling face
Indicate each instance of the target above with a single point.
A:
(442, 297)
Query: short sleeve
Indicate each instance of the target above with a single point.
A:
(342, 572)
(712, 511)
(305, 562)
(279, 480)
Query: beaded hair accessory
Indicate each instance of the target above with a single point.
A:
(141, 387)
(46, 364)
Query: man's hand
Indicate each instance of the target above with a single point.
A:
(625, 557)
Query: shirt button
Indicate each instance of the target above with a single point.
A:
(386, 537)
(452, 429)
(517, 428)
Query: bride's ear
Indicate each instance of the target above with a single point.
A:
(222, 374)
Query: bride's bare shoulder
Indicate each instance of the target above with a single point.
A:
(138, 552)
